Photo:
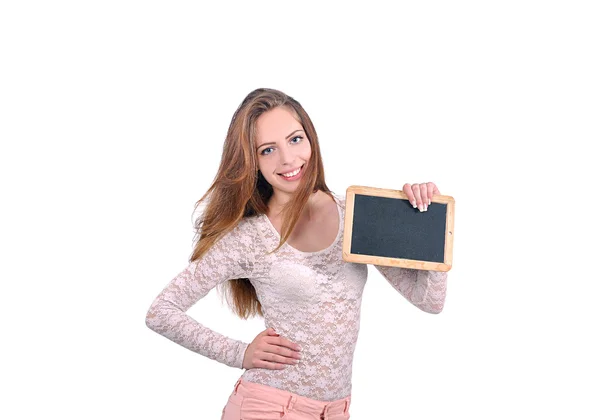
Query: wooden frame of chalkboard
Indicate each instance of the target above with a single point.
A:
(381, 227)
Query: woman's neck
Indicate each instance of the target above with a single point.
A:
(276, 205)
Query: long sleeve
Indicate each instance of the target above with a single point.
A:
(229, 258)
(424, 289)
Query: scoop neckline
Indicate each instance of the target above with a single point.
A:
(278, 236)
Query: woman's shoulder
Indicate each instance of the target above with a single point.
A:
(339, 199)
(247, 226)
(242, 238)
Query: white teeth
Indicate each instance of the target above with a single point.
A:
(290, 174)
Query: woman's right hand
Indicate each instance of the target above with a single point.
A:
(269, 351)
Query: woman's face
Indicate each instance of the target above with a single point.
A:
(282, 149)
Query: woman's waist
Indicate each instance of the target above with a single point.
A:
(320, 382)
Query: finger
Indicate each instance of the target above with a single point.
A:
(272, 332)
(283, 354)
(274, 345)
(409, 194)
(435, 190)
(277, 358)
(268, 365)
(424, 198)
(430, 187)
(284, 357)
(284, 342)
(416, 189)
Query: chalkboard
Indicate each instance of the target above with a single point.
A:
(382, 227)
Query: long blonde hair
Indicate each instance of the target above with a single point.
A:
(239, 189)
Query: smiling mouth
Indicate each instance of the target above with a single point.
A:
(295, 172)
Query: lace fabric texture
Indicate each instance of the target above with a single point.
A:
(310, 298)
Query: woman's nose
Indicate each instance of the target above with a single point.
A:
(285, 156)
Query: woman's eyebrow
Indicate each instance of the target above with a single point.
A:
(287, 137)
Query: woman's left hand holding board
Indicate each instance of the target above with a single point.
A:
(420, 195)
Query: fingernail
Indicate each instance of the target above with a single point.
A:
(421, 208)
(414, 204)
(425, 207)
(430, 202)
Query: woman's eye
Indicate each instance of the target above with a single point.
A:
(266, 152)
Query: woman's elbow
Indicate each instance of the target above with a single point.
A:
(437, 309)
(152, 318)
(149, 319)
(434, 307)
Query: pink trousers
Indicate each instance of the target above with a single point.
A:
(252, 401)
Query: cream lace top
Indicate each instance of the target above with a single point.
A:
(311, 298)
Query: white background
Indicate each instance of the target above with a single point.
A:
(112, 120)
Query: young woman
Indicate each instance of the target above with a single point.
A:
(271, 236)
